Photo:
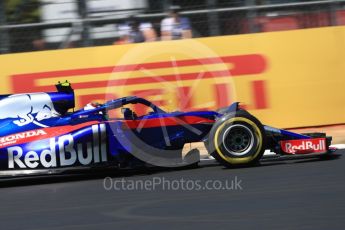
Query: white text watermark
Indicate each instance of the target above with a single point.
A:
(162, 183)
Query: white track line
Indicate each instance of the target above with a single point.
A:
(269, 153)
(339, 146)
(266, 153)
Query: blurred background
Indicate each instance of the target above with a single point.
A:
(30, 25)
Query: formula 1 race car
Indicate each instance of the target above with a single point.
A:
(39, 135)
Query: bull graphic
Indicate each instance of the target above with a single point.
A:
(27, 108)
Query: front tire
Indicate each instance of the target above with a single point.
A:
(237, 139)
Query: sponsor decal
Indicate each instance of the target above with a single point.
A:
(316, 145)
(63, 151)
(14, 138)
(222, 94)
(40, 134)
(27, 108)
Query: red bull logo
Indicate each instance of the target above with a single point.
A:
(62, 151)
(310, 145)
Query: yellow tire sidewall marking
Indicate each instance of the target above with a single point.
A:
(243, 160)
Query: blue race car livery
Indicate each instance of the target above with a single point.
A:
(39, 134)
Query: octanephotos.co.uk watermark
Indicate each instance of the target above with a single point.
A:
(166, 184)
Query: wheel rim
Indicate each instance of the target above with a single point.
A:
(238, 140)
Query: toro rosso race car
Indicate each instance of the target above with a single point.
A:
(40, 134)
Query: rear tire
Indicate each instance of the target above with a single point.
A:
(237, 139)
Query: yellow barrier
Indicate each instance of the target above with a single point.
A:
(287, 79)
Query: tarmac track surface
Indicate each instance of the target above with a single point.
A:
(304, 194)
